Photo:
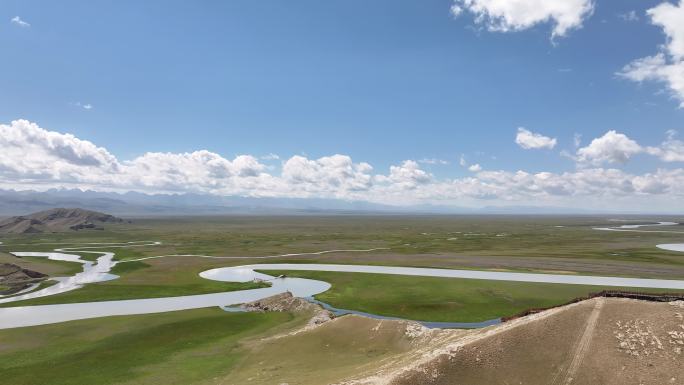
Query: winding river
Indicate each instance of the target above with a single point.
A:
(96, 272)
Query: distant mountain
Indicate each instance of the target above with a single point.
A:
(56, 220)
(140, 204)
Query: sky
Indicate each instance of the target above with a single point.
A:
(464, 103)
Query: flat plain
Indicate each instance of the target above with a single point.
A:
(226, 346)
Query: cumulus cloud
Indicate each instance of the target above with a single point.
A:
(612, 147)
(667, 66)
(39, 156)
(33, 157)
(671, 150)
(408, 175)
(335, 175)
(29, 151)
(16, 20)
(517, 15)
(530, 140)
(475, 167)
(616, 148)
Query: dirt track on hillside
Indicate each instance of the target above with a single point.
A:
(606, 341)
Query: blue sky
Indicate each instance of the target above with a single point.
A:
(381, 82)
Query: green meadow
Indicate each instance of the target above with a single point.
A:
(209, 346)
(544, 244)
(167, 348)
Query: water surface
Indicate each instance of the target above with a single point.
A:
(97, 271)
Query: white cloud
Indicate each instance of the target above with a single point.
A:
(335, 175)
(33, 157)
(270, 156)
(530, 140)
(629, 16)
(671, 150)
(475, 167)
(198, 171)
(577, 139)
(456, 10)
(616, 148)
(612, 147)
(39, 156)
(671, 18)
(29, 151)
(585, 182)
(667, 66)
(658, 68)
(85, 106)
(516, 15)
(433, 161)
(462, 161)
(16, 20)
(408, 175)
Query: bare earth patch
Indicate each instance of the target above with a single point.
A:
(608, 341)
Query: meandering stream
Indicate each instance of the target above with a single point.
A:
(96, 272)
(93, 271)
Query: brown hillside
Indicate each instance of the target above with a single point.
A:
(56, 220)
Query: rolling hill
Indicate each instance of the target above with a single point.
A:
(56, 220)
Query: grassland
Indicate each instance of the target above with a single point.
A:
(503, 237)
(440, 299)
(170, 348)
(207, 346)
(510, 243)
(335, 351)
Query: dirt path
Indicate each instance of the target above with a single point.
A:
(445, 345)
(582, 345)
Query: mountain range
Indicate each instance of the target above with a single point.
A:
(140, 204)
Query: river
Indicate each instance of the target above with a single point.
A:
(95, 272)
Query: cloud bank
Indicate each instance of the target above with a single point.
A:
(36, 158)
